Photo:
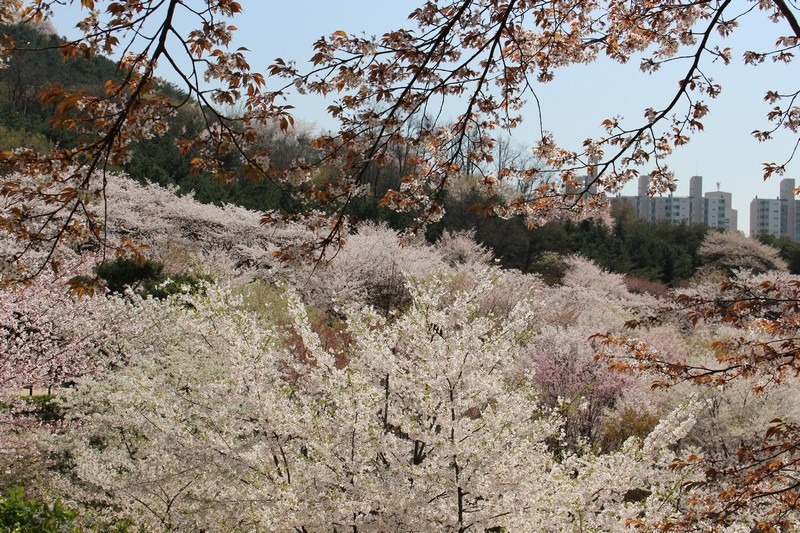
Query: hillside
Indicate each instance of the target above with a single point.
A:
(662, 253)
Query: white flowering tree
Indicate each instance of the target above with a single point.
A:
(231, 416)
(374, 268)
(730, 251)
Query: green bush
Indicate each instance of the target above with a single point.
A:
(19, 514)
(45, 407)
(147, 278)
(631, 422)
(186, 283)
(123, 272)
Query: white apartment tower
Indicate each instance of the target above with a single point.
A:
(788, 209)
(778, 216)
(642, 199)
(718, 210)
(765, 216)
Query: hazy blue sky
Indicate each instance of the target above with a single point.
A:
(576, 102)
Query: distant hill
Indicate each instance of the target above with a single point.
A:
(37, 65)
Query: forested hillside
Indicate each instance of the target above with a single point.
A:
(25, 120)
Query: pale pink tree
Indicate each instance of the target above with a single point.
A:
(729, 251)
(564, 369)
(461, 248)
(48, 336)
(374, 268)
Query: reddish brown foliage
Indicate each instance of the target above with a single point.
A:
(764, 478)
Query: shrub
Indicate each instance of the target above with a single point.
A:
(185, 283)
(44, 407)
(124, 272)
(632, 422)
(147, 278)
(646, 286)
(19, 514)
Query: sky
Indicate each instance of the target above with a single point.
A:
(576, 102)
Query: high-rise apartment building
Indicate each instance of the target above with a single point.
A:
(776, 216)
(719, 212)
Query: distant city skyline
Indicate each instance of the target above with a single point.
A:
(712, 208)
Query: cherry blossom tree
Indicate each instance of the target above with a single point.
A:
(48, 336)
(220, 423)
(730, 251)
(461, 248)
(589, 296)
(564, 369)
(374, 268)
